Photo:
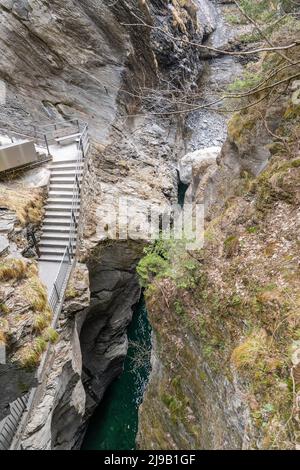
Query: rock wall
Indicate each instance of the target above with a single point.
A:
(226, 352)
(79, 58)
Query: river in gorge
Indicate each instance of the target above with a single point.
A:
(114, 424)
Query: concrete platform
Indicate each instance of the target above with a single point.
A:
(48, 272)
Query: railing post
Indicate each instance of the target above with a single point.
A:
(74, 219)
(47, 146)
(81, 146)
(78, 184)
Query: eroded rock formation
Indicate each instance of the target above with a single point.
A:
(83, 58)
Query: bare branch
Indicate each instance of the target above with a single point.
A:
(214, 49)
(263, 35)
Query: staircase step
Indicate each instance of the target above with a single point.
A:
(65, 169)
(54, 243)
(61, 201)
(48, 250)
(52, 258)
(55, 236)
(65, 166)
(65, 162)
(62, 172)
(59, 187)
(65, 221)
(59, 213)
(63, 179)
(53, 193)
(60, 208)
(56, 228)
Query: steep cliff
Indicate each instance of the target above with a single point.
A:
(226, 352)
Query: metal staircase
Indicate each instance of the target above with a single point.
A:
(58, 242)
(59, 230)
(58, 217)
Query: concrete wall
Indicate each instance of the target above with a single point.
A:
(16, 155)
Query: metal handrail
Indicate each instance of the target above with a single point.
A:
(69, 254)
(43, 134)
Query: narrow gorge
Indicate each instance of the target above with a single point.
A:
(156, 346)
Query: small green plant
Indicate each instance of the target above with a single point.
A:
(40, 345)
(247, 353)
(179, 309)
(155, 263)
(208, 351)
(175, 405)
(36, 294)
(235, 19)
(2, 337)
(248, 81)
(252, 229)
(11, 268)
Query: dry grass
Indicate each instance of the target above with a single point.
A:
(35, 292)
(27, 203)
(40, 322)
(30, 292)
(30, 355)
(11, 268)
(2, 337)
(50, 335)
(246, 354)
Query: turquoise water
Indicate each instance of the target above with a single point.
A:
(182, 189)
(114, 425)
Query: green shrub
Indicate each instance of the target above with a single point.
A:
(155, 263)
(247, 81)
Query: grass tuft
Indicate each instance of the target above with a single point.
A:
(246, 354)
(26, 203)
(50, 335)
(36, 294)
(11, 268)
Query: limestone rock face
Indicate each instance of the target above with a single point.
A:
(69, 58)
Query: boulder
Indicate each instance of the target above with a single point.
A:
(200, 158)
